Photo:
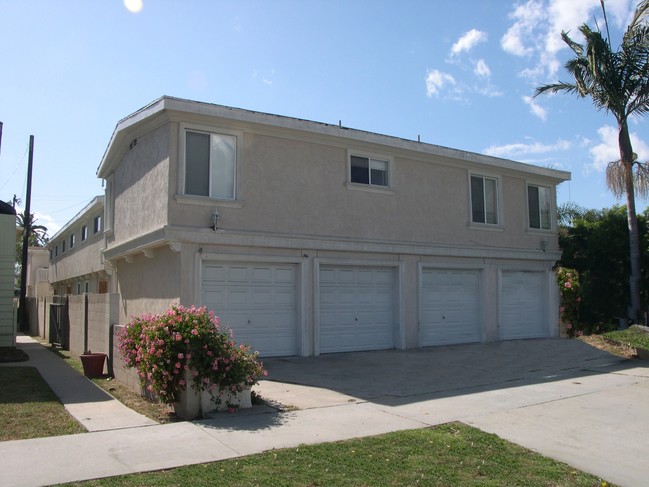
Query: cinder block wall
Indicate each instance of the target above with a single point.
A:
(76, 309)
(121, 373)
(103, 311)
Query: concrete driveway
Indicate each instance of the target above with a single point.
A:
(561, 398)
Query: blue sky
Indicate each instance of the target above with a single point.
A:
(455, 73)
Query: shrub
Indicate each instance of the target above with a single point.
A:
(162, 347)
(568, 281)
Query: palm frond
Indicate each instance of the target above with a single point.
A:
(556, 88)
(615, 178)
(641, 179)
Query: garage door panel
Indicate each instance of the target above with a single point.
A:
(449, 308)
(356, 308)
(522, 305)
(257, 301)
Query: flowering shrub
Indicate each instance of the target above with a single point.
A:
(163, 347)
(568, 280)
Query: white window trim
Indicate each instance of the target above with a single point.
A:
(181, 197)
(389, 189)
(553, 209)
(499, 198)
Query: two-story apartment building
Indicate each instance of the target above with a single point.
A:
(75, 254)
(310, 238)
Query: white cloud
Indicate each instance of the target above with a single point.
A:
(526, 19)
(535, 108)
(522, 149)
(607, 149)
(481, 69)
(468, 41)
(535, 32)
(436, 80)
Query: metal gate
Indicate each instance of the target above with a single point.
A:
(60, 324)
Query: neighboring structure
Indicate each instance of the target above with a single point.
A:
(309, 238)
(75, 253)
(7, 274)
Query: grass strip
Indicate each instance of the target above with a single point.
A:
(450, 454)
(29, 408)
(632, 337)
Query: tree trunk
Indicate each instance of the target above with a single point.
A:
(627, 159)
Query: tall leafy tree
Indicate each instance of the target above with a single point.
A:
(618, 83)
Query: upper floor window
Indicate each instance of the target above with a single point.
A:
(368, 170)
(73, 239)
(484, 200)
(210, 164)
(63, 247)
(539, 207)
(96, 224)
(84, 232)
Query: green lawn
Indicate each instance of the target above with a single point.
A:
(29, 408)
(449, 455)
(632, 337)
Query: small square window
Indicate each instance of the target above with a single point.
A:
(484, 200)
(367, 170)
(539, 207)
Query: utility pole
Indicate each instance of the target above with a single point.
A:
(27, 221)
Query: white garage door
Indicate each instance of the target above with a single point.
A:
(356, 308)
(257, 301)
(522, 305)
(449, 307)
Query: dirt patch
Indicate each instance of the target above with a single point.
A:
(154, 410)
(614, 348)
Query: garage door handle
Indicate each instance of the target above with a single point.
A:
(249, 321)
(356, 318)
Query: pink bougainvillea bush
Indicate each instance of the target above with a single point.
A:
(568, 280)
(162, 347)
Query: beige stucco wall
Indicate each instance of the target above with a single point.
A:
(292, 187)
(78, 261)
(148, 285)
(297, 187)
(140, 187)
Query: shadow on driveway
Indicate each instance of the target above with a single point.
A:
(396, 377)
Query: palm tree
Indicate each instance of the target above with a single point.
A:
(618, 83)
(37, 233)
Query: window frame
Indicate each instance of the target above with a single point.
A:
(497, 197)
(73, 240)
(84, 233)
(550, 207)
(182, 157)
(389, 173)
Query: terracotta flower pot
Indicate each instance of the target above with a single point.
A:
(93, 364)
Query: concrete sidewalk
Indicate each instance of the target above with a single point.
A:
(94, 408)
(590, 414)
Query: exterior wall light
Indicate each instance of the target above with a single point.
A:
(215, 219)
